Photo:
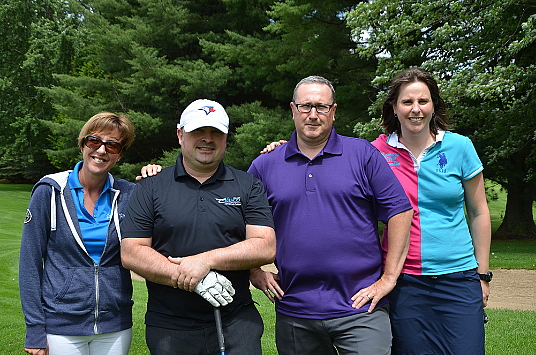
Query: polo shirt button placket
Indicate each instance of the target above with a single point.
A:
(309, 183)
(201, 205)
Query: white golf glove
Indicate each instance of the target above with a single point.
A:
(216, 289)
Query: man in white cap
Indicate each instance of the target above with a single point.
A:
(194, 231)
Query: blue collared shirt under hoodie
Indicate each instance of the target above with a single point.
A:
(93, 226)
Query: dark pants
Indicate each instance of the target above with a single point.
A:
(242, 333)
(438, 314)
(362, 334)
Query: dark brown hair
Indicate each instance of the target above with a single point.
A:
(439, 119)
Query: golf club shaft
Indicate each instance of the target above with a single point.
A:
(219, 330)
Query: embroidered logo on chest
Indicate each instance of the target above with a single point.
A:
(229, 201)
(391, 159)
(442, 163)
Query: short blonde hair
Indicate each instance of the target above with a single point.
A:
(105, 122)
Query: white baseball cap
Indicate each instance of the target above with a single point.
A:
(204, 113)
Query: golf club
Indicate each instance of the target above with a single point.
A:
(219, 330)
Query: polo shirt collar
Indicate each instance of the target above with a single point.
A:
(222, 173)
(333, 146)
(74, 179)
(393, 141)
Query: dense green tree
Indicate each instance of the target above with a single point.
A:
(154, 57)
(147, 61)
(301, 38)
(483, 53)
(263, 125)
(35, 42)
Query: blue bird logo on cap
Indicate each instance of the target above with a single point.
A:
(208, 109)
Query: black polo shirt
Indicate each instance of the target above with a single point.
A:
(185, 218)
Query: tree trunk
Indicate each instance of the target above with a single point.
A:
(518, 222)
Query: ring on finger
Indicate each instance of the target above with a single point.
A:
(369, 297)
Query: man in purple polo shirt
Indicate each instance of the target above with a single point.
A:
(327, 194)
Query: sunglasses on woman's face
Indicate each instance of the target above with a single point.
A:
(95, 143)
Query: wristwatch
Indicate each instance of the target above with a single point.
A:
(487, 276)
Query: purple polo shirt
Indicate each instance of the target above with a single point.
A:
(325, 213)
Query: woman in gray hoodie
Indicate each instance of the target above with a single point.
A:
(75, 294)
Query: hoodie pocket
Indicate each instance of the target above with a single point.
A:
(76, 295)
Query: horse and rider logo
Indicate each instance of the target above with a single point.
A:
(442, 162)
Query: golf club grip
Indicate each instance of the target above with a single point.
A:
(219, 330)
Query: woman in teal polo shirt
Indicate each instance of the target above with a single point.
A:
(436, 305)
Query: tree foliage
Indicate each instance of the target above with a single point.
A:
(36, 41)
(148, 61)
(155, 57)
(300, 38)
(483, 53)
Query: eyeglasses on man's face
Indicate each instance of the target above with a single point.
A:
(306, 108)
(95, 143)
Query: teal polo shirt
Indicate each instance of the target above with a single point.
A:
(94, 227)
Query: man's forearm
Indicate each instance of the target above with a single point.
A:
(147, 262)
(398, 228)
(255, 251)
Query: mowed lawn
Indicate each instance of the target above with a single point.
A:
(508, 332)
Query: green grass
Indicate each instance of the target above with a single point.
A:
(513, 254)
(508, 332)
(14, 200)
(138, 331)
(496, 203)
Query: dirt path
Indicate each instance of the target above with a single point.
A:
(513, 289)
(510, 289)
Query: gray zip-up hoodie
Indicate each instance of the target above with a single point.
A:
(62, 290)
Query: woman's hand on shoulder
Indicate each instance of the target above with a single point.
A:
(149, 170)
